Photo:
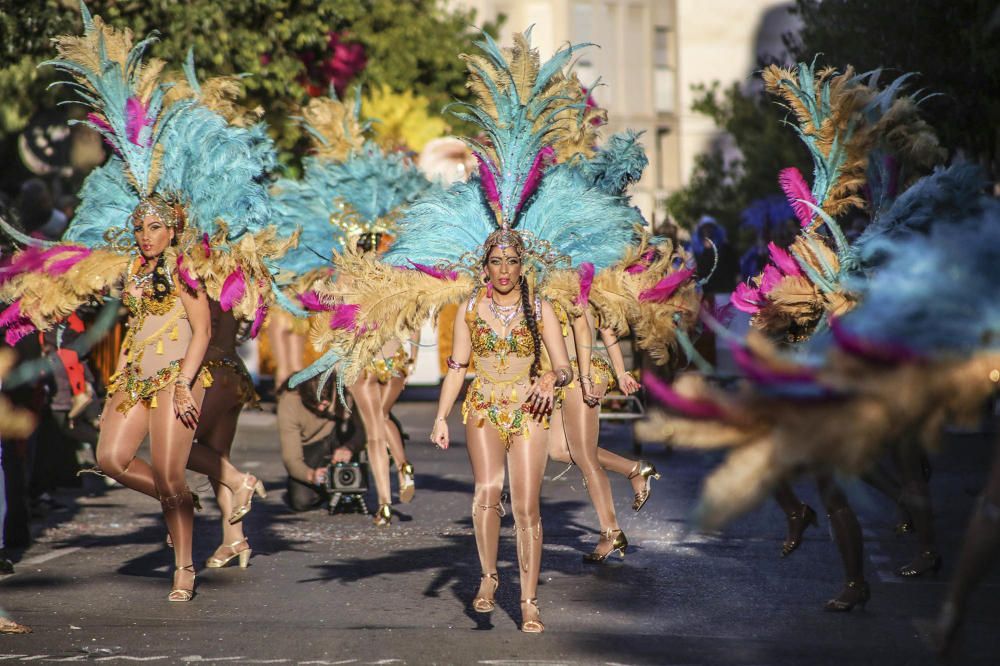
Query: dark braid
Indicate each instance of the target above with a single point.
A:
(529, 318)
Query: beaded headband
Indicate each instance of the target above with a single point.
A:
(157, 207)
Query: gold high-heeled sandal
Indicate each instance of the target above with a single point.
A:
(406, 486)
(647, 471)
(181, 593)
(534, 625)
(383, 516)
(618, 545)
(484, 604)
(240, 512)
(216, 562)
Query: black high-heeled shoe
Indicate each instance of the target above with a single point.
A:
(797, 524)
(927, 561)
(854, 594)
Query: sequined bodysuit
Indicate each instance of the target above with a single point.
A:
(158, 323)
(503, 368)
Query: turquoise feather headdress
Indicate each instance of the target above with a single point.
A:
(351, 186)
(532, 175)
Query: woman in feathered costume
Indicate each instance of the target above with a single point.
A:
(494, 244)
(573, 437)
(351, 195)
(183, 184)
(792, 416)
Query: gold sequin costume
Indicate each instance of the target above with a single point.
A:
(386, 367)
(600, 368)
(503, 368)
(159, 323)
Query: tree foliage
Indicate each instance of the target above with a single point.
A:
(724, 182)
(411, 45)
(954, 45)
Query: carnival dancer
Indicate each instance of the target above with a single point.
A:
(781, 422)
(155, 223)
(492, 244)
(350, 196)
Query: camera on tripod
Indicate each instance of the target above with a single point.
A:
(347, 483)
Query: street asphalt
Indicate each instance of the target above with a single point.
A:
(325, 589)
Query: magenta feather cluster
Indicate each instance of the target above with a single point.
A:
(586, 273)
(233, 289)
(137, 119)
(887, 353)
(666, 287)
(797, 192)
(438, 273)
(687, 407)
(534, 177)
(310, 301)
(190, 280)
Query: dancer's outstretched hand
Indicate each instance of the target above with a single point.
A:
(184, 407)
(628, 384)
(439, 435)
(541, 396)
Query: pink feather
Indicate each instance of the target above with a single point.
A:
(20, 329)
(136, 120)
(586, 272)
(642, 265)
(760, 373)
(206, 245)
(232, 289)
(103, 124)
(746, 299)
(190, 280)
(797, 191)
(435, 272)
(784, 260)
(258, 319)
(345, 316)
(10, 314)
(534, 176)
(310, 301)
(878, 352)
(687, 407)
(487, 181)
(769, 279)
(666, 287)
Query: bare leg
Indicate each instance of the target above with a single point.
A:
(390, 394)
(486, 453)
(287, 347)
(121, 436)
(216, 432)
(369, 403)
(847, 534)
(170, 444)
(798, 514)
(526, 458)
(916, 497)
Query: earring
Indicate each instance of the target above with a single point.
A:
(489, 290)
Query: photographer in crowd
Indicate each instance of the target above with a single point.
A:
(314, 433)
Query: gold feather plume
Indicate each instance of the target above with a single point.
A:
(220, 94)
(339, 132)
(249, 254)
(523, 63)
(615, 298)
(47, 299)
(398, 300)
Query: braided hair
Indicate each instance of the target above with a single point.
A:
(529, 318)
